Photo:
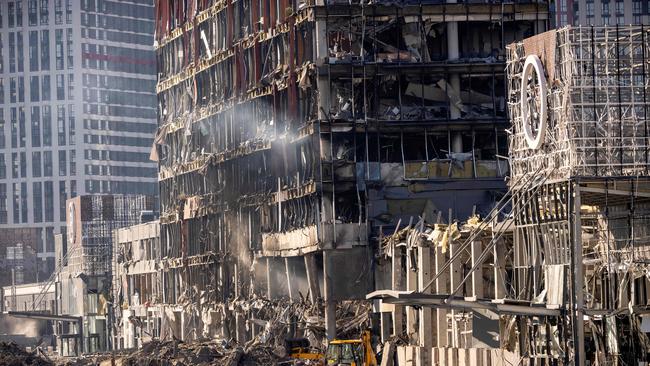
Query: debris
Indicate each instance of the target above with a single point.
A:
(13, 355)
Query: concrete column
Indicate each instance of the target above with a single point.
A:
(457, 141)
(330, 304)
(223, 321)
(312, 277)
(411, 285)
(288, 272)
(453, 53)
(578, 280)
(441, 288)
(425, 336)
(397, 282)
(477, 276)
(330, 319)
(453, 49)
(253, 326)
(385, 326)
(455, 278)
(269, 286)
(235, 268)
(240, 329)
(322, 52)
(499, 271)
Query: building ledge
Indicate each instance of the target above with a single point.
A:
(308, 239)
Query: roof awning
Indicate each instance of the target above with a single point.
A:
(504, 306)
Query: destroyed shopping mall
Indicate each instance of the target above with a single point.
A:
(294, 136)
(467, 185)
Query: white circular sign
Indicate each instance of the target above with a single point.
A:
(533, 102)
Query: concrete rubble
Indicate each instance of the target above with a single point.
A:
(200, 353)
(278, 320)
(13, 355)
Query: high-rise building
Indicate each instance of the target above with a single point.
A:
(601, 12)
(77, 113)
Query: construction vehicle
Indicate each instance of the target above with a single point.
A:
(300, 350)
(351, 352)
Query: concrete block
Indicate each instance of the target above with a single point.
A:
(412, 356)
(463, 357)
(485, 357)
(388, 354)
(475, 356)
(496, 357)
(442, 357)
(452, 357)
(434, 355)
(422, 356)
(401, 355)
(406, 356)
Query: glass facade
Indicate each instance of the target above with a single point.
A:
(80, 106)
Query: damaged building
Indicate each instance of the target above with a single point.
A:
(137, 263)
(557, 272)
(83, 276)
(294, 135)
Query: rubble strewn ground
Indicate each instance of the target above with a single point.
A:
(201, 353)
(178, 353)
(267, 348)
(13, 355)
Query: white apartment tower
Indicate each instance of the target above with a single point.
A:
(77, 114)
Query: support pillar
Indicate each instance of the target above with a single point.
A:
(425, 323)
(385, 326)
(270, 293)
(312, 277)
(441, 288)
(397, 282)
(411, 285)
(330, 320)
(240, 322)
(322, 82)
(477, 276)
(499, 271)
(287, 270)
(455, 278)
(330, 303)
(240, 328)
(578, 279)
(453, 53)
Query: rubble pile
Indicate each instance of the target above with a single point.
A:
(352, 317)
(13, 355)
(94, 359)
(177, 353)
(279, 317)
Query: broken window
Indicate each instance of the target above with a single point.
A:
(390, 148)
(414, 144)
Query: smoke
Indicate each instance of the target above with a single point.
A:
(277, 274)
(22, 327)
